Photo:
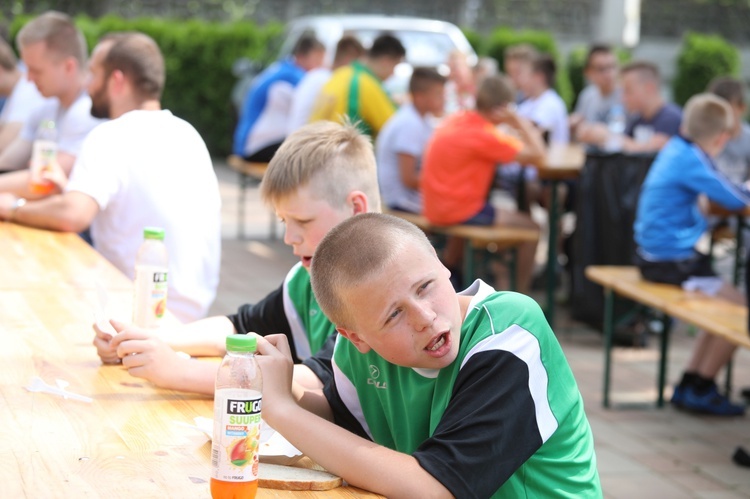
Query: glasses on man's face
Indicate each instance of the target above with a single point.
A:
(604, 68)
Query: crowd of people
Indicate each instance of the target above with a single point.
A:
(370, 292)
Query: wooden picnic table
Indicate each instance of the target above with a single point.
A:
(131, 440)
(564, 162)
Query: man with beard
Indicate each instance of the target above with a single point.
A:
(54, 52)
(145, 167)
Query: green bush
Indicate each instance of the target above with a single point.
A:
(702, 58)
(476, 40)
(543, 41)
(198, 57)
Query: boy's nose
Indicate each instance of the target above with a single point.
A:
(291, 237)
(423, 317)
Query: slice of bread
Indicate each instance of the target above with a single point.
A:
(273, 476)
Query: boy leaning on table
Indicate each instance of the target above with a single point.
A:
(669, 224)
(434, 394)
(322, 174)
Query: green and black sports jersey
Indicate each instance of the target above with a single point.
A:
(505, 419)
(291, 310)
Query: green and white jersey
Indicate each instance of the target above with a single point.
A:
(505, 419)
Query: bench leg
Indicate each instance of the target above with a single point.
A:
(608, 327)
(552, 256)
(728, 380)
(666, 326)
(738, 251)
(241, 207)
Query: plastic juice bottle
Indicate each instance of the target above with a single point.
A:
(151, 266)
(44, 152)
(237, 401)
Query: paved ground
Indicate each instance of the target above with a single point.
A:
(642, 452)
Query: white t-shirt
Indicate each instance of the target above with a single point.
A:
(72, 124)
(22, 102)
(150, 168)
(305, 94)
(407, 133)
(548, 111)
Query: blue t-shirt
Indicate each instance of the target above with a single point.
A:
(668, 221)
(666, 121)
(266, 108)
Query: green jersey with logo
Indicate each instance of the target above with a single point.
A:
(310, 327)
(505, 419)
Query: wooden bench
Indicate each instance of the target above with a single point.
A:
(479, 239)
(714, 315)
(249, 173)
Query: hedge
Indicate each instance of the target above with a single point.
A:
(702, 58)
(198, 56)
(543, 41)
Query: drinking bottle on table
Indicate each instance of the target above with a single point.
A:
(43, 157)
(151, 266)
(236, 439)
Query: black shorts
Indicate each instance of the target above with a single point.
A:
(675, 271)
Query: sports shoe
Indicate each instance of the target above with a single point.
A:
(678, 396)
(711, 402)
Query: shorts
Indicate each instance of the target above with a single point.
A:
(675, 272)
(486, 216)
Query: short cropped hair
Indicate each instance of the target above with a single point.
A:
(706, 116)
(335, 159)
(521, 52)
(387, 45)
(545, 65)
(348, 49)
(595, 49)
(353, 251)
(306, 44)
(730, 89)
(140, 60)
(59, 34)
(644, 69)
(494, 91)
(8, 60)
(422, 79)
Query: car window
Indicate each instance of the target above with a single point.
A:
(423, 48)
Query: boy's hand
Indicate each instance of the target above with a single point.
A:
(103, 343)
(146, 356)
(276, 365)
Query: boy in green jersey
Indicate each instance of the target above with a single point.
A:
(434, 394)
(322, 174)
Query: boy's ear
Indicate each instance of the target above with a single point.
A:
(356, 340)
(358, 202)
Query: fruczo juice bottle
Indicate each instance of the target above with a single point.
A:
(237, 404)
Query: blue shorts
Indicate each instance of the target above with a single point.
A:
(486, 216)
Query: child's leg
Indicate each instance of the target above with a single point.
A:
(526, 251)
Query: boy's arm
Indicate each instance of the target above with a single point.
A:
(407, 169)
(534, 151)
(718, 188)
(359, 461)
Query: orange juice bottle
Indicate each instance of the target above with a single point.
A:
(44, 152)
(236, 440)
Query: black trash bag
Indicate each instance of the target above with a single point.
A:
(607, 201)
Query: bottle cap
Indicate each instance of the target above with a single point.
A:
(241, 343)
(153, 233)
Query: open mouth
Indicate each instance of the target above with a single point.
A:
(440, 345)
(306, 261)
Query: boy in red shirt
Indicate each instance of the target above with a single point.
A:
(460, 164)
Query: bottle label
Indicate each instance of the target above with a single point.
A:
(234, 451)
(150, 302)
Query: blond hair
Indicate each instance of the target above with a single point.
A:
(706, 116)
(353, 251)
(521, 52)
(8, 59)
(59, 34)
(335, 159)
(494, 91)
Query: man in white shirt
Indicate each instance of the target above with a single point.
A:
(54, 52)
(402, 141)
(145, 167)
(306, 93)
(22, 96)
(543, 106)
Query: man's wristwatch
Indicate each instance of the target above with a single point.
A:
(18, 204)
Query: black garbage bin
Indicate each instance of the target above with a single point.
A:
(608, 193)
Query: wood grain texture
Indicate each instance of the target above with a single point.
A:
(131, 441)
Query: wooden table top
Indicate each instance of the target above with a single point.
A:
(131, 441)
(563, 162)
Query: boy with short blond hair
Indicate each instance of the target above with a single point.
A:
(669, 224)
(434, 394)
(321, 175)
